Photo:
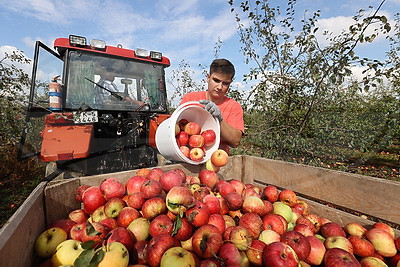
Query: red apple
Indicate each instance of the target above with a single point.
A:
(155, 174)
(397, 243)
(185, 151)
(196, 154)
(240, 237)
(224, 188)
(234, 201)
(212, 203)
(304, 205)
(113, 207)
(192, 128)
(112, 188)
(238, 185)
(153, 207)
(109, 223)
(356, 229)
(78, 216)
(183, 138)
(182, 123)
(65, 224)
(335, 257)
(92, 198)
(143, 172)
(254, 253)
(385, 227)
(198, 215)
(317, 251)
(161, 224)
(230, 255)
(298, 242)
(316, 221)
(170, 179)
(270, 193)
(209, 263)
(196, 140)
(134, 184)
(338, 242)
(122, 235)
(135, 200)
(151, 188)
(157, 246)
(77, 231)
(361, 246)
(185, 231)
(178, 199)
(332, 229)
(229, 221)
(250, 191)
(79, 192)
(279, 254)
(139, 252)
(207, 241)
(303, 229)
(98, 237)
(201, 192)
(274, 222)
(219, 158)
(288, 197)
(372, 262)
(126, 216)
(218, 221)
(253, 223)
(208, 178)
(256, 205)
(382, 241)
(209, 137)
(223, 207)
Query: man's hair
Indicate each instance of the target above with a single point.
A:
(222, 65)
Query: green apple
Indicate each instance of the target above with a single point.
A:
(284, 210)
(47, 241)
(67, 252)
(115, 254)
(177, 256)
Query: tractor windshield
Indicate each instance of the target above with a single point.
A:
(108, 83)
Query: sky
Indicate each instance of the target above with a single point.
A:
(182, 30)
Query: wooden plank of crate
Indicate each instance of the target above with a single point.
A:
(372, 196)
(18, 235)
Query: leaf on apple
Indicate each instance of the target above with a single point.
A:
(88, 245)
(84, 258)
(177, 225)
(90, 231)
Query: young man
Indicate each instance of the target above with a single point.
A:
(226, 110)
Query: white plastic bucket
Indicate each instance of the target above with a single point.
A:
(165, 134)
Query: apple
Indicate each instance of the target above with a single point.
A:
(192, 128)
(335, 257)
(382, 241)
(397, 243)
(201, 192)
(209, 263)
(134, 184)
(183, 138)
(317, 251)
(254, 253)
(235, 214)
(269, 236)
(247, 192)
(209, 137)
(218, 221)
(94, 232)
(224, 188)
(153, 207)
(332, 229)
(254, 204)
(315, 219)
(279, 254)
(78, 216)
(356, 229)
(109, 223)
(112, 187)
(182, 123)
(47, 241)
(178, 199)
(66, 253)
(181, 173)
(92, 198)
(210, 167)
(151, 188)
(196, 140)
(270, 193)
(230, 255)
(208, 178)
(240, 237)
(223, 207)
(198, 215)
(177, 128)
(155, 174)
(206, 241)
(139, 253)
(253, 223)
(219, 158)
(123, 236)
(298, 242)
(229, 221)
(303, 229)
(339, 242)
(234, 201)
(212, 203)
(140, 228)
(185, 151)
(192, 180)
(372, 262)
(157, 246)
(274, 222)
(361, 246)
(143, 172)
(196, 154)
(288, 197)
(394, 261)
(284, 210)
(98, 215)
(185, 231)
(177, 256)
(77, 231)
(65, 224)
(115, 254)
(135, 200)
(126, 216)
(161, 224)
(385, 227)
(113, 207)
(79, 192)
(170, 179)
(237, 185)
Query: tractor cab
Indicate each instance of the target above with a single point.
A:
(94, 108)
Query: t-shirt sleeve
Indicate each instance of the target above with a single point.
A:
(234, 116)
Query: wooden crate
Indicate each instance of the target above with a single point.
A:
(338, 196)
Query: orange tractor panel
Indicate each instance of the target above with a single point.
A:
(154, 123)
(65, 142)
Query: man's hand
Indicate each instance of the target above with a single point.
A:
(212, 108)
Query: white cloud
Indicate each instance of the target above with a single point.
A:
(9, 50)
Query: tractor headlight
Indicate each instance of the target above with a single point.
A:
(76, 40)
(99, 44)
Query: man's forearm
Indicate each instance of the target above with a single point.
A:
(230, 135)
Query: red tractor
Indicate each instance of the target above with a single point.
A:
(94, 108)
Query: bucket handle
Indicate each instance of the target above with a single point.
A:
(192, 103)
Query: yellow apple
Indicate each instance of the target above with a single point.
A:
(115, 254)
(47, 241)
(211, 167)
(66, 253)
(140, 228)
(177, 256)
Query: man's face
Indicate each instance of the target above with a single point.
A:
(218, 84)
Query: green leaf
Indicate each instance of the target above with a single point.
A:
(84, 258)
(88, 245)
(98, 257)
(90, 231)
(177, 225)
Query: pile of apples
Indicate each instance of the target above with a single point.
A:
(167, 218)
(192, 141)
